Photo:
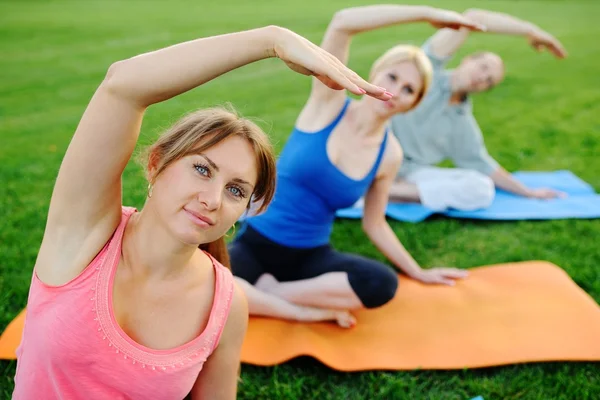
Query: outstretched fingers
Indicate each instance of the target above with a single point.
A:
(454, 273)
(348, 79)
(445, 276)
(557, 49)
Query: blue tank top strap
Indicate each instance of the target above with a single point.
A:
(381, 151)
(338, 117)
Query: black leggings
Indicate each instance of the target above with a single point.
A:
(252, 255)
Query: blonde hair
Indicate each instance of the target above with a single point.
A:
(400, 53)
(202, 130)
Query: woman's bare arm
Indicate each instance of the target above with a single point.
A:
(446, 42)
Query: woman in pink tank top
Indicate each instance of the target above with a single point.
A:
(138, 305)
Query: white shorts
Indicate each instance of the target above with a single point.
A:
(461, 189)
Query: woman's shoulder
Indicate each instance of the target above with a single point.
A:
(237, 318)
(318, 114)
(392, 156)
(393, 149)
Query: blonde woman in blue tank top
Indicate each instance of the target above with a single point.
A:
(339, 151)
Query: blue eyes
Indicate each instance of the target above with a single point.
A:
(203, 170)
(235, 190)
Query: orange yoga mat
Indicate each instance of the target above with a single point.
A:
(502, 314)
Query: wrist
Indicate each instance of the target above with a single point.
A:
(532, 29)
(520, 189)
(271, 39)
(527, 192)
(416, 274)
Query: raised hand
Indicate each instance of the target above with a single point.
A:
(444, 276)
(449, 19)
(306, 58)
(541, 40)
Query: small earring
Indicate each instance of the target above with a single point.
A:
(150, 187)
(232, 233)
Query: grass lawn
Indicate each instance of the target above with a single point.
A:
(53, 55)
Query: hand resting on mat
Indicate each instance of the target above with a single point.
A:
(506, 181)
(444, 276)
(545, 193)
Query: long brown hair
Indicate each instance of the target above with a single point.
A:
(202, 130)
(217, 249)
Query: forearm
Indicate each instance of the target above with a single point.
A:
(384, 238)
(159, 75)
(504, 180)
(496, 22)
(362, 19)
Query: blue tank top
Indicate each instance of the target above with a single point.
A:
(310, 189)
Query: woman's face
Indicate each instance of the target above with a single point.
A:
(404, 81)
(200, 196)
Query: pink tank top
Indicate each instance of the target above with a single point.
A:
(73, 348)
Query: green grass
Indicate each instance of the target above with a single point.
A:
(543, 117)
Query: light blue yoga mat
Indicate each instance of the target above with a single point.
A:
(581, 202)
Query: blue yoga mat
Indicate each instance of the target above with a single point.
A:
(581, 202)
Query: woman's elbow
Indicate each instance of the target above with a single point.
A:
(114, 68)
(339, 21)
(116, 81)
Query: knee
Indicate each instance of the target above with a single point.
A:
(378, 289)
(480, 189)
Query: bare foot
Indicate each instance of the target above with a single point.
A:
(312, 314)
(266, 283)
(345, 319)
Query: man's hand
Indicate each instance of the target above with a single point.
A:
(541, 40)
(545, 193)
